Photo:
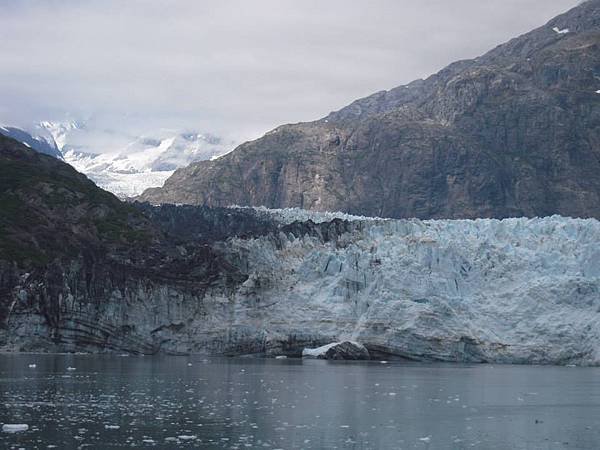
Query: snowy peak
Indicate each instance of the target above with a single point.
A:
(127, 165)
(59, 130)
(120, 162)
(39, 143)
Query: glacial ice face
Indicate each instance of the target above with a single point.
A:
(290, 215)
(514, 290)
(504, 291)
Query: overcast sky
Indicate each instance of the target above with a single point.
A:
(234, 67)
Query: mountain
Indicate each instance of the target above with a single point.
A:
(127, 164)
(81, 270)
(515, 132)
(67, 247)
(144, 161)
(123, 164)
(40, 144)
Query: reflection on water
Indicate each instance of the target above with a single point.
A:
(176, 402)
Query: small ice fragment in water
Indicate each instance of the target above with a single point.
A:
(112, 427)
(189, 364)
(32, 366)
(14, 427)
(383, 362)
(71, 368)
(281, 357)
(185, 437)
(425, 439)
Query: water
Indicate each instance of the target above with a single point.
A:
(164, 402)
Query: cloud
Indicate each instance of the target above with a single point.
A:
(235, 67)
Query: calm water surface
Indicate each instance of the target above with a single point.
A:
(196, 402)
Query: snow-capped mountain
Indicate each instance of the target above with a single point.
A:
(39, 143)
(59, 130)
(144, 162)
(119, 162)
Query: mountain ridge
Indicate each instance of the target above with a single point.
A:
(511, 133)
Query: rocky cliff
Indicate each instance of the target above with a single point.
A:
(515, 132)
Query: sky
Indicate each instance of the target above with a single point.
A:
(233, 67)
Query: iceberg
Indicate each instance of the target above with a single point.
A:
(14, 427)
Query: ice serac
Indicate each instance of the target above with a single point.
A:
(515, 132)
(512, 291)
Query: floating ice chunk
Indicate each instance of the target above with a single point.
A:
(112, 427)
(189, 364)
(559, 31)
(14, 427)
(71, 368)
(281, 357)
(383, 362)
(185, 437)
(425, 439)
(338, 350)
(32, 366)
(598, 91)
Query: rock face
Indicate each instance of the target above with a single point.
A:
(515, 132)
(347, 350)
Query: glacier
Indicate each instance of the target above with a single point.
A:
(511, 291)
(122, 163)
(518, 290)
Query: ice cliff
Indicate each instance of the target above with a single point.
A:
(514, 290)
(503, 291)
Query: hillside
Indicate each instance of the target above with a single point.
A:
(66, 242)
